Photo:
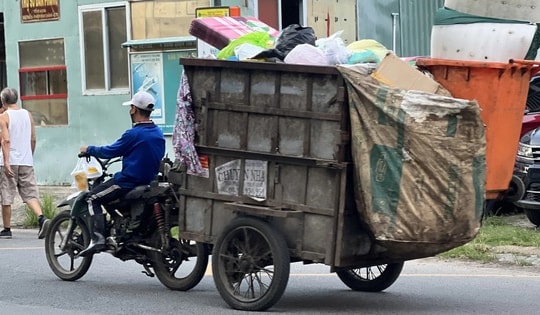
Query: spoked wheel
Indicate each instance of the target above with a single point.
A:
(372, 278)
(63, 245)
(181, 267)
(250, 263)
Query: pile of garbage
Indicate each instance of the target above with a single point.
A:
(246, 38)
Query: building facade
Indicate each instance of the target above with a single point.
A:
(75, 62)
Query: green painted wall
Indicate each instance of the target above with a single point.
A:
(93, 119)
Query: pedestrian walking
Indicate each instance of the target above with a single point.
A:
(18, 142)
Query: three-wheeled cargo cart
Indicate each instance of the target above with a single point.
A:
(275, 142)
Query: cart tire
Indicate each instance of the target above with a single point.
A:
(533, 216)
(250, 264)
(371, 279)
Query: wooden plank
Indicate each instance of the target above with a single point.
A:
(289, 113)
(272, 157)
(164, 9)
(277, 204)
(264, 211)
(344, 18)
(138, 20)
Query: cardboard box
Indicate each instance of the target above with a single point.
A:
(394, 72)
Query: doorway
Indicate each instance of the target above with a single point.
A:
(291, 12)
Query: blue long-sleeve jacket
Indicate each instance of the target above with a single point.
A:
(141, 148)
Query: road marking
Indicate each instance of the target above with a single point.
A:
(429, 275)
(466, 275)
(20, 248)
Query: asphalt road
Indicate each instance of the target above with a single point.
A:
(426, 286)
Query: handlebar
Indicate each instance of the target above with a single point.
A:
(165, 165)
(104, 162)
(83, 154)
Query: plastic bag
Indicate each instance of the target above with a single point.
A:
(367, 56)
(292, 36)
(247, 51)
(369, 46)
(307, 55)
(260, 39)
(86, 168)
(334, 48)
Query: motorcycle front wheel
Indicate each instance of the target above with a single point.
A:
(183, 265)
(63, 245)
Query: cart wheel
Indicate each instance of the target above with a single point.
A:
(372, 278)
(250, 263)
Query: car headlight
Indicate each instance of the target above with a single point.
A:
(525, 150)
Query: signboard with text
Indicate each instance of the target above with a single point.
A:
(158, 73)
(254, 181)
(39, 10)
(147, 75)
(212, 11)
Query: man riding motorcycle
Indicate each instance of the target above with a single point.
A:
(142, 148)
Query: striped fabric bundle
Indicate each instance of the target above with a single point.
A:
(219, 31)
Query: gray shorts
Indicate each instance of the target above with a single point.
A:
(24, 179)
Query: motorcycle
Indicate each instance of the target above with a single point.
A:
(143, 226)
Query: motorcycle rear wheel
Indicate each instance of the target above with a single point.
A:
(65, 262)
(183, 266)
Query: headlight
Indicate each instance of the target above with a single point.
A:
(525, 150)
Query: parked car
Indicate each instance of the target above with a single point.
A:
(518, 185)
(527, 167)
(524, 190)
(531, 119)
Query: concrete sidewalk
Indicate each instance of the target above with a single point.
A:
(58, 193)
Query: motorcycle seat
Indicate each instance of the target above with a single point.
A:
(137, 192)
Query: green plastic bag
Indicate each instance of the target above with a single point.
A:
(261, 39)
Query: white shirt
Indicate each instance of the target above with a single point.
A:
(20, 132)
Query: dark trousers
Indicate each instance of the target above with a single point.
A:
(103, 194)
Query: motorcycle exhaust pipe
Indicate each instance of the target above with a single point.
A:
(147, 247)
